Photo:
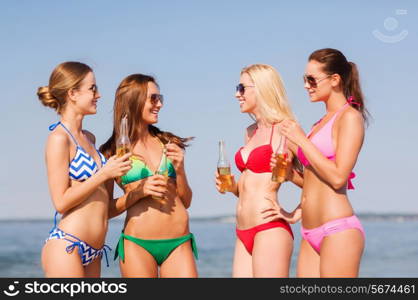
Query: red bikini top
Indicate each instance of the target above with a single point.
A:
(258, 160)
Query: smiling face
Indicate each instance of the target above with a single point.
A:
(318, 84)
(152, 104)
(247, 97)
(86, 95)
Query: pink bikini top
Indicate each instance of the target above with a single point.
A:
(323, 141)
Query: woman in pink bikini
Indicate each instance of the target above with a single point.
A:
(332, 236)
(264, 244)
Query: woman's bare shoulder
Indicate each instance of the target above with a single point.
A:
(58, 138)
(351, 116)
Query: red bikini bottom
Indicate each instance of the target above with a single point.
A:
(247, 235)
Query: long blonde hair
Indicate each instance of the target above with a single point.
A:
(271, 94)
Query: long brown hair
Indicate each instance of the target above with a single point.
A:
(66, 76)
(334, 62)
(130, 100)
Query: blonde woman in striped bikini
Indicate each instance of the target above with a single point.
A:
(77, 173)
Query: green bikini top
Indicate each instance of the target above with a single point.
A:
(140, 170)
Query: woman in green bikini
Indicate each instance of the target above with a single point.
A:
(155, 241)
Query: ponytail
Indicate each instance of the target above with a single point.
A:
(334, 62)
(352, 89)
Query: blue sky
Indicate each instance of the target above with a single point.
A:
(196, 50)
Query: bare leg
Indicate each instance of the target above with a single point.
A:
(57, 262)
(94, 268)
(242, 265)
(308, 261)
(138, 262)
(180, 263)
(272, 253)
(341, 254)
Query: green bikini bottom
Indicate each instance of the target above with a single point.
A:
(159, 249)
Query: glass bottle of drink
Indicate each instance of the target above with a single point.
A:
(162, 170)
(123, 144)
(224, 168)
(278, 174)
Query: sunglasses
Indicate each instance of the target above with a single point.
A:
(94, 89)
(155, 98)
(240, 88)
(312, 81)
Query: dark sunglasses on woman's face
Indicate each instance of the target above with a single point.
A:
(155, 98)
(312, 81)
(240, 88)
(94, 89)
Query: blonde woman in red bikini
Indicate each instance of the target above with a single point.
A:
(332, 236)
(264, 243)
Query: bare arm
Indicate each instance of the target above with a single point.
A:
(183, 189)
(176, 155)
(151, 186)
(234, 189)
(274, 211)
(350, 135)
(63, 194)
(296, 178)
(132, 193)
(294, 175)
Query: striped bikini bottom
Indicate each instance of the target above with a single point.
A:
(87, 253)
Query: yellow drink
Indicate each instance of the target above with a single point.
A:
(225, 178)
(122, 150)
(162, 170)
(278, 173)
(161, 200)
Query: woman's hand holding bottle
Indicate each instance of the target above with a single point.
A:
(156, 186)
(176, 155)
(232, 186)
(116, 166)
(224, 179)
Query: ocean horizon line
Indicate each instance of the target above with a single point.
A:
(230, 218)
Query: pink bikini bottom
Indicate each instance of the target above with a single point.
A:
(315, 236)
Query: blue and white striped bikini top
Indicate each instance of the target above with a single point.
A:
(83, 165)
